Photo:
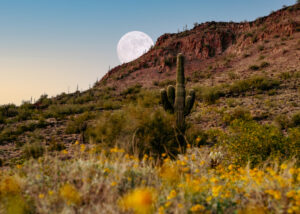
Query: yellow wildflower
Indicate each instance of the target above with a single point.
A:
(283, 166)
(172, 194)
(41, 196)
(161, 210)
(9, 185)
(139, 200)
(197, 207)
(69, 193)
(113, 183)
(82, 147)
(216, 190)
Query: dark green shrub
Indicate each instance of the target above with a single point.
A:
(264, 64)
(33, 150)
(254, 67)
(56, 146)
(296, 119)
(9, 110)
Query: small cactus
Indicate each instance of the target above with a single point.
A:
(174, 100)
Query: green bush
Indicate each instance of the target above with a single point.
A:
(209, 94)
(33, 150)
(251, 142)
(296, 119)
(77, 125)
(56, 146)
(9, 110)
(237, 113)
(109, 127)
(282, 121)
(254, 67)
(258, 83)
(136, 129)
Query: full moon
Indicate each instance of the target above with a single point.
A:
(133, 45)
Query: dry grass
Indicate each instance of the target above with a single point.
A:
(94, 180)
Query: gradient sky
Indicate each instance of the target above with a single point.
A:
(50, 46)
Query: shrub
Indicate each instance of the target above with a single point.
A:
(108, 129)
(77, 125)
(9, 110)
(296, 119)
(210, 94)
(237, 113)
(264, 64)
(137, 130)
(254, 67)
(282, 121)
(33, 150)
(132, 90)
(254, 83)
(251, 142)
(56, 146)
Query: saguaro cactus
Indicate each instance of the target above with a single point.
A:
(176, 101)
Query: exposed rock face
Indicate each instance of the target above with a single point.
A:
(202, 43)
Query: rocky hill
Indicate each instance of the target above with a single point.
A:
(216, 48)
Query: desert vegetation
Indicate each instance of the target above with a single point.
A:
(229, 145)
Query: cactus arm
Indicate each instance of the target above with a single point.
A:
(166, 104)
(190, 99)
(171, 94)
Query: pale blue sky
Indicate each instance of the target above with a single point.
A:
(48, 46)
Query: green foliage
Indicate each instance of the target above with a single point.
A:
(132, 90)
(296, 119)
(56, 146)
(211, 94)
(10, 134)
(79, 124)
(254, 67)
(250, 142)
(258, 83)
(9, 110)
(33, 150)
(136, 129)
(61, 111)
(237, 113)
(109, 127)
(282, 121)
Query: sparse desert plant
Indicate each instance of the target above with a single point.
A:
(254, 67)
(211, 94)
(33, 150)
(238, 113)
(78, 125)
(296, 119)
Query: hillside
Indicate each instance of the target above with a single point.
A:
(248, 68)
